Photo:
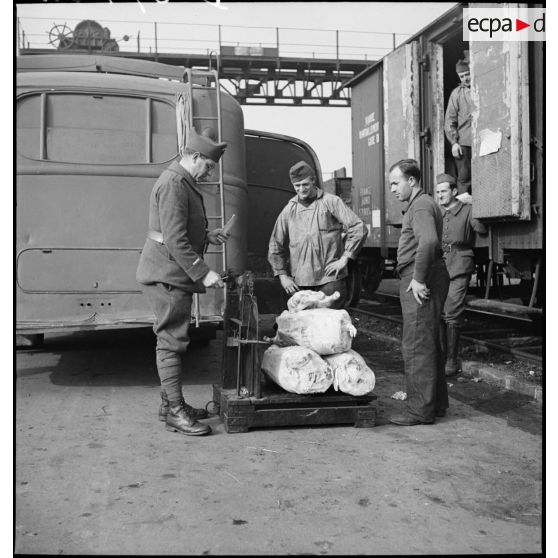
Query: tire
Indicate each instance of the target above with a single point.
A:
(30, 341)
(354, 285)
(373, 274)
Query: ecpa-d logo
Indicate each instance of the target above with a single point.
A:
(504, 24)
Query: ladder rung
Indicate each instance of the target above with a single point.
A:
(205, 118)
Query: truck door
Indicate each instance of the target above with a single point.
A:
(500, 124)
(401, 125)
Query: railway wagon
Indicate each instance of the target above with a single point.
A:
(398, 108)
(93, 135)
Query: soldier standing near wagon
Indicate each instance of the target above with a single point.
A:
(171, 269)
(457, 244)
(423, 290)
(306, 248)
(458, 127)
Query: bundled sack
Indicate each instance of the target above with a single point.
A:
(351, 374)
(297, 369)
(323, 330)
(304, 300)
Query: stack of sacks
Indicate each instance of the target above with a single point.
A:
(305, 333)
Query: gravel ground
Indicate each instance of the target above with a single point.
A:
(529, 372)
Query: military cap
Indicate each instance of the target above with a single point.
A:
(446, 178)
(301, 170)
(462, 66)
(205, 146)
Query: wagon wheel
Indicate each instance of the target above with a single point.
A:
(61, 36)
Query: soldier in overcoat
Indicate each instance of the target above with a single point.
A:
(172, 268)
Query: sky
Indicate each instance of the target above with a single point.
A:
(187, 26)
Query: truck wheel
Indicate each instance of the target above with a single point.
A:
(354, 285)
(30, 341)
(373, 274)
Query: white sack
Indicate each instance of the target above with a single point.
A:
(323, 330)
(303, 300)
(350, 373)
(297, 369)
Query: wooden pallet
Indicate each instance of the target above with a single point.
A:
(277, 407)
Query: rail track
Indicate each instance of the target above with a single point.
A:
(519, 338)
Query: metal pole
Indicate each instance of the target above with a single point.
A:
(138, 39)
(394, 41)
(18, 34)
(277, 39)
(219, 39)
(337, 47)
(156, 48)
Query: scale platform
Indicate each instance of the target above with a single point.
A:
(276, 407)
(246, 398)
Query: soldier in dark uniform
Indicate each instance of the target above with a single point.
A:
(423, 290)
(458, 239)
(171, 269)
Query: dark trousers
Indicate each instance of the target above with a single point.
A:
(463, 166)
(455, 301)
(172, 309)
(421, 345)
(328, 289)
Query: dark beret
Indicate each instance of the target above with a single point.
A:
(446, 178)
(205, 146)
(301, 170)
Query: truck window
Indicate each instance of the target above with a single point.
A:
(97, 129)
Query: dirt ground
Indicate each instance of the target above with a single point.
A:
(97, 473)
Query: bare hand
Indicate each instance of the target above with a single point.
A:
(217, 236)
(288, 284)
(456, 151)
(336, 267)
(212, 280)
(420, 290)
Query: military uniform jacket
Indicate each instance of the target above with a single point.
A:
(176, 210)
(459, 238)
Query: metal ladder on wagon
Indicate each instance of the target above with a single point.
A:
(211, 78)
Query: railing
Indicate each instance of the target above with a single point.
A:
(198, 38)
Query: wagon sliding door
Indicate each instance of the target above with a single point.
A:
(500, 179)
(401, 110)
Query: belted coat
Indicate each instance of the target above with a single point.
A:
(177, 211)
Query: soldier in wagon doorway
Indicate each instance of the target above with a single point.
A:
(458, 128)
(422, 291)
(458, 239)
(306, 249)
(171, 269)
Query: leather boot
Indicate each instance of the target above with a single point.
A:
(179, 420)
(196, 414)
(452, 362)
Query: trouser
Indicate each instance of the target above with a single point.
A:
(455, 301)
(463, 166)
(421, 345)
(172, 309)
(328, 289)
